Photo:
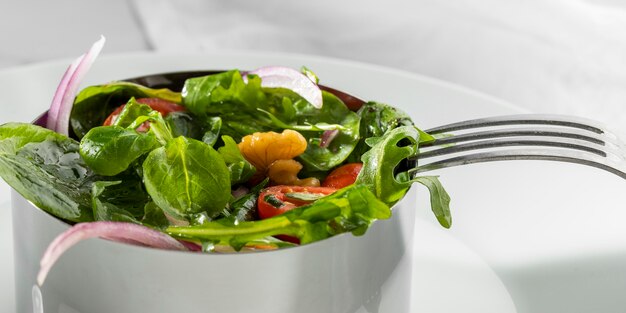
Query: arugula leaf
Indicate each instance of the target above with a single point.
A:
(187, 176)
(46, 168)
(93, 104)
(381, 161)
(439, 199)
(381, 165)
(240, 169)
(109, 150)
(376, 119)
(350, 209)
(244, 208)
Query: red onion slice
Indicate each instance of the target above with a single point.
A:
(63, 100)
(328, 136)
(126, 232)
(288, 78)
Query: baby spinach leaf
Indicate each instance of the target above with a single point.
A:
(104, 210)
(93, 104)
(154, 216)
(46, 168)
(187, 176)
(240, 169)
(185, 124)
(212, 131)
(109, 150)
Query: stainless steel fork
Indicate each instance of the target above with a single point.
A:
(523, 137)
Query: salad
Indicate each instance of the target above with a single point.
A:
(237, 160)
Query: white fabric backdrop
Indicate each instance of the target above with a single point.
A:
(556, 56)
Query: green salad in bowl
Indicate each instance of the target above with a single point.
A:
(234, 160)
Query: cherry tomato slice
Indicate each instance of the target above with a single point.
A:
(343, 176)
(280, 199)
(164, 107)
(277, 200)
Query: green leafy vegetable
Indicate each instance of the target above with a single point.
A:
(439, 199)
(131, 112)
(109, 150)
(154, 216)
(381, 161)
(244, 208)
(377, 119)
(187, 176)
(240, 169)
(245, 108)
(381, 171)
(46, 168)
(104, 210)
(212, 132)
(93, 104)
(351, 209)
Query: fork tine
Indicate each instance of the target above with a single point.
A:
(527, 154)
(524, 141)
(559, 138)
(559, 132)
(522, 119)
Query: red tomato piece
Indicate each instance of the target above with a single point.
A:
(280, 199)
(343, 176)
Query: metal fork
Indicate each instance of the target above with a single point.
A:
(523, 137)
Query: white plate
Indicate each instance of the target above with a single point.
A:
(448, 276)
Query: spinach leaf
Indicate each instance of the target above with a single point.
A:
(187, 176)
(351, 209)
(109, 150)
(93, 104)
(224, 94)
(185, 124)
(212, 131)
(240, 169)
(104, 210)
(46, 168)
(154, 216)
(131, 112)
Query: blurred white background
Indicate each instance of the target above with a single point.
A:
(554, 56)
(548, 56)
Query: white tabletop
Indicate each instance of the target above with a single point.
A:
(527, 52)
